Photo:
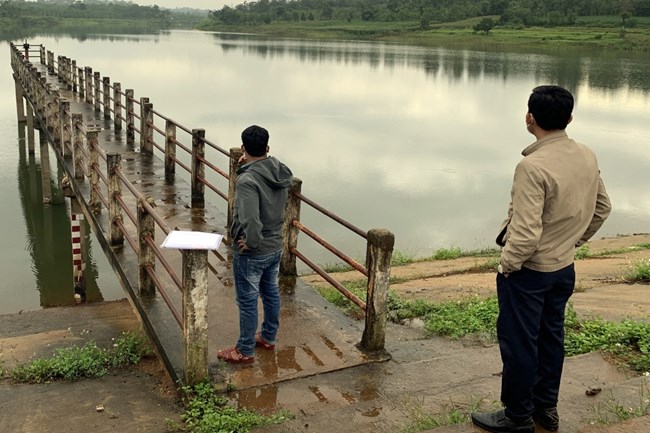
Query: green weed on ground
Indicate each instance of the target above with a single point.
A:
(640, 271)
(612, 411)
(628, 341)
(451, 413)
(89, 360)
(208, 412)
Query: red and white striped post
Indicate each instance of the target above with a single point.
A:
(78, 266)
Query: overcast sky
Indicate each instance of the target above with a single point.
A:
(198, 4)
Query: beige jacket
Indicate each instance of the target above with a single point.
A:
(558, 201)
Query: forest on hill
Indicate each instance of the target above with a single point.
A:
(511, 12)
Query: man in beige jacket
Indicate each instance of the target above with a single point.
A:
(558, 202)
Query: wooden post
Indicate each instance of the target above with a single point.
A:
(20, 96)
(170, 150)
(378, 258)
(89, 84)
(66, 129)
(92, 137)
(288, 269)
(42, 55)
(45, 169)
(107, 97)
(146, 131)
(78, 141)
(198, 168)
(97, 90)
(130, 118)
(113, 163)
(147, 257)
(117, 106)
(195, 315)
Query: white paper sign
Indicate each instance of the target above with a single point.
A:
(187, 240)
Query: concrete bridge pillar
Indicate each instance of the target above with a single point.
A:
(378, 258)
(195, 315)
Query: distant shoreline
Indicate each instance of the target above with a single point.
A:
(456, 35)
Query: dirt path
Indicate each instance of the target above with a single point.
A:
(600, 285)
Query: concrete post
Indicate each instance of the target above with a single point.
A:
(288, 268)
(195, 315)
(78, 141)
(97, 90)
(78, 265)
(55, 119)
(75, 75)
(198, 168)
(117, 106)
(378, 258)
(147, 257)
(106, 83)
(170, 150)
(30, 128)
(20, 96)
(235, 154)
(66, 129)
(45, 169)
(50, 63)
(113, 163)
(146, 132)
(89, 84)
(92, 137)
(82, 84)
(130, 118)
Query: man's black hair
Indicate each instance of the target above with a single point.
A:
(551, 107)
(255, 140)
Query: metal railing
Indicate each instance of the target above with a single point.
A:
(184, 147)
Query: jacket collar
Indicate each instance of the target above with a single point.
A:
(553, 136)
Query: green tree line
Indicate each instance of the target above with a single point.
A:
(96, 9)
(506, 12)
(82, 9)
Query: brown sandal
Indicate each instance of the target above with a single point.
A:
(233, 356)
(261, 342)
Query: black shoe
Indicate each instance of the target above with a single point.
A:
(498, 422)
(547, 418)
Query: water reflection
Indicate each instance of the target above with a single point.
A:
(49, 237)
(607, 71)
(422, 141)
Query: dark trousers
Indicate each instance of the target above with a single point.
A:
(530, 329)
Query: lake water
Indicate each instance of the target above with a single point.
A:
(421, 141)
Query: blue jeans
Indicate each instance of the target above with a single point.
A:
(255, 277)
(530, 329)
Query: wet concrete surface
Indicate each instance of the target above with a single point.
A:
(135, 399)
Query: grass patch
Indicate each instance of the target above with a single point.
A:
(75, 363)
(584, 252)
(452, 413)
(612, 411)
(455, 253)
(627, 341)
(208, 412)
(640, 271)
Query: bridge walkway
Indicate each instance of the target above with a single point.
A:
(313, 338)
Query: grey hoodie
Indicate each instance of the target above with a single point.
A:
(260, 196)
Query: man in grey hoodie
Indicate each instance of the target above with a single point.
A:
(260, 196)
